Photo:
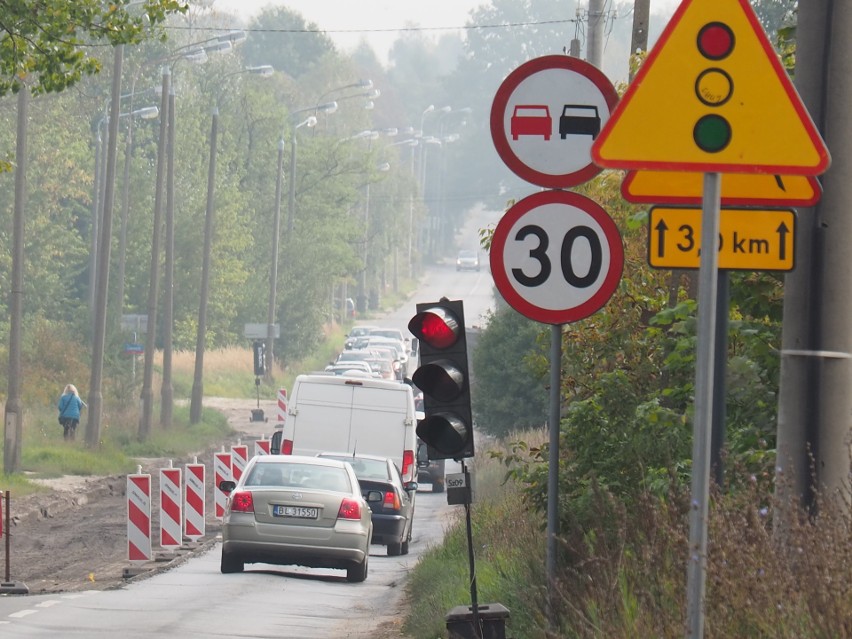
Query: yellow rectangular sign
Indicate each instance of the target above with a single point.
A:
(749, 239)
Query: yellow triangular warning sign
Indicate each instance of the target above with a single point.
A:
(712, 97)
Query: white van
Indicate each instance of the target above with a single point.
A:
(350, 414)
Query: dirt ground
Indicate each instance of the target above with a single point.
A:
(74, 536)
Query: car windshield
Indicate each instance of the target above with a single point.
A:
(365, 468)
(299, 475)
(467, 254)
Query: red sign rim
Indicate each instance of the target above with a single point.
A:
(501, 101)
(606, 289)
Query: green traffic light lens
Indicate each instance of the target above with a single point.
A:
(715, 40)
(712, 133)
(444, 432)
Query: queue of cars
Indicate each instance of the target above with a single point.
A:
(342, 470)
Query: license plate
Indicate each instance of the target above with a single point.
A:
(295, 511)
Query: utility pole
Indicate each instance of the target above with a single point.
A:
(639, 39)
(815, 404)
(14, 409)
(594, 45)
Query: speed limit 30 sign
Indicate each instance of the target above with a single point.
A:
(556, 257)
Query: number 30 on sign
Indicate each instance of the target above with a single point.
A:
(556, 257)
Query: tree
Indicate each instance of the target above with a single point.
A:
(45, 42)
(282, 38)
(510, 375)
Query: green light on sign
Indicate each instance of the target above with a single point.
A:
(712, 133)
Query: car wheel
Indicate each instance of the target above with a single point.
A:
(404, 548)
(438, 487)
(394, 549)
(358, 572)
(231, 563)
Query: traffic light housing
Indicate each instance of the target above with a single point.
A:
(444, 378)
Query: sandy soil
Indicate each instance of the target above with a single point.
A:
(74, 536)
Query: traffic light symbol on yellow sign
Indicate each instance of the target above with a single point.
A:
(749, 239)
(712, 97)
(738, 189)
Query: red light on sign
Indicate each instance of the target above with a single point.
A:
(715, 41)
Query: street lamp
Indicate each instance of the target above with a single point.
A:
(310, 121)
(193, 53)
(209, 221)
(99, 195)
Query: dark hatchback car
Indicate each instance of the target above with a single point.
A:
(393, 517)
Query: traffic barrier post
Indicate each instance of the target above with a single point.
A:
(171, 518)
(139, 517)
(221, 472)
(194, 509)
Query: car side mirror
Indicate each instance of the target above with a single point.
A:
(227, 485)
(411, 486)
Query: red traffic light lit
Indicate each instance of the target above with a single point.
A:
(436, 326)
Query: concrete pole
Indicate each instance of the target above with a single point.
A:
(14, 409)
(93, 425)
(146, 419)
(209, 226)
(815, 405)
(594, 45)
(167, 388)
(273, 267)
(639, 39)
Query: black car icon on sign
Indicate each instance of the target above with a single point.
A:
(579, 119)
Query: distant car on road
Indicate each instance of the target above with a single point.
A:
(393, 517)
(298, 510)
(467, 261)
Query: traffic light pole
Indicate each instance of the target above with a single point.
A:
(474, 602)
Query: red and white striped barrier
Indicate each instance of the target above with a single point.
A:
(261, 446)
(194, 503)
(171, 517)
(239, 459)
(139, 517)
(282, 404)
(221, 472)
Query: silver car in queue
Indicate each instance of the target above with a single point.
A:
(296, 510)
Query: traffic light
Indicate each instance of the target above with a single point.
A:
(259, 349)
(443, 376)
(714, 87)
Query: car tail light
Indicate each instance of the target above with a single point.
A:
(287, 447)
(349, 509)
(407, 462)
(242, 502)
(392, 500)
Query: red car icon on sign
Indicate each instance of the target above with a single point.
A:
(531, 119)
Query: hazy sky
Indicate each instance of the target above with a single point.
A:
(348, 21)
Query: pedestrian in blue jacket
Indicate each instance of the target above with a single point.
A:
(69, 406)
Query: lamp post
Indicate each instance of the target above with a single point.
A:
(209, 225)
(310, 121)
(151, 113)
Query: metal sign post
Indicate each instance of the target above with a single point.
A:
(707, 297)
